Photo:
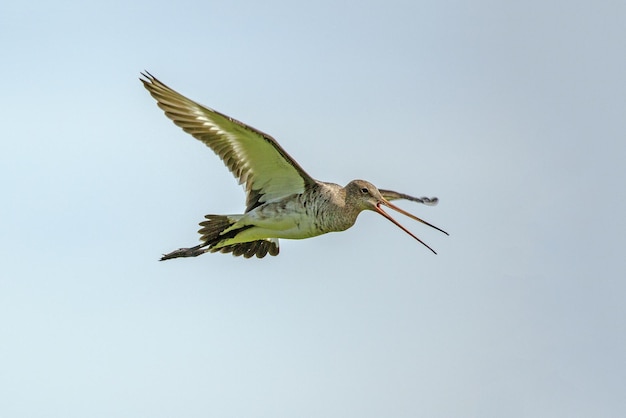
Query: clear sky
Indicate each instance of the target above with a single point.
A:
(512, 113)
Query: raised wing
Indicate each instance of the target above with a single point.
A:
(254, 158)
(391, 195)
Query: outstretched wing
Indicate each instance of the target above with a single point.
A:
(391, 195)
(254, 158)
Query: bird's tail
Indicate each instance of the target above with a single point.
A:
(214, 236)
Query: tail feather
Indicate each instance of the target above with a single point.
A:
(213, 227)
(212, 234)
(260, 248)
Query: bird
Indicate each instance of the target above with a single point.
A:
(282, 200)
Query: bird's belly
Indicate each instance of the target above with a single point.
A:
(281, 220)
(294, 226)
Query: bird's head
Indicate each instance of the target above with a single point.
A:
(363, 195)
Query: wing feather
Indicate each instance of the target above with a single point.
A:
(255, 158)
(391, 195)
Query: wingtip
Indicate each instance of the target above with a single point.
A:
(146, 77)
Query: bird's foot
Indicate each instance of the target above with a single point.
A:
(186, 252)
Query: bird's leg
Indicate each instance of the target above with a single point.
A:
(186, 252)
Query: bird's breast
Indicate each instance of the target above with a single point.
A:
(302, 216)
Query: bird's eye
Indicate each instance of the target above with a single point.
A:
(364, 190)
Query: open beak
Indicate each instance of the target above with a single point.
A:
(397, 209)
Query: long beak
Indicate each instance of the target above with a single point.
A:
(397, 209)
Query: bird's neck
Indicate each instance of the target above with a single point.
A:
(330, 208)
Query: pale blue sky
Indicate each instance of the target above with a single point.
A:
(512, 113)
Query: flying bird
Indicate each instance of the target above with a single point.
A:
(282, 200)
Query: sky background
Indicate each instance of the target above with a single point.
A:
(512, 113)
